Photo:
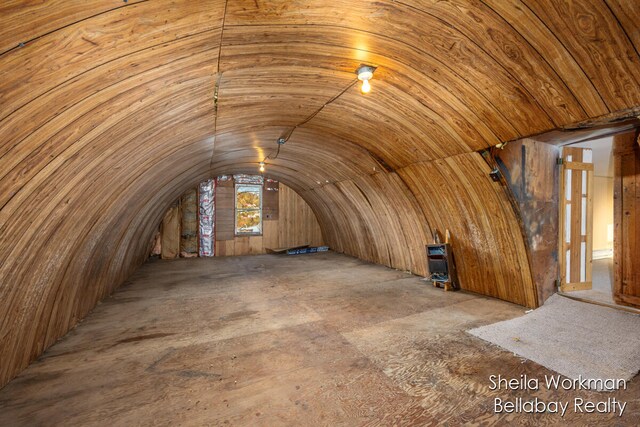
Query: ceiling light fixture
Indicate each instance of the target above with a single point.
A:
(365, 73)
(261, 166)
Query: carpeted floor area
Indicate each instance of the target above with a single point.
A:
(572, 338)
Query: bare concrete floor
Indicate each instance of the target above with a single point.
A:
(306, 340)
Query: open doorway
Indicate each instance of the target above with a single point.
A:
(595, 219)
(599, 214)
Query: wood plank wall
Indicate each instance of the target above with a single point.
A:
(296, 223)
(287, 221)
(626, 205)
(375, 218)
(189, 223)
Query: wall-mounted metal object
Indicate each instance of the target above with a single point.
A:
(495, 175)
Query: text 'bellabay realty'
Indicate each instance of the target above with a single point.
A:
(610, 405)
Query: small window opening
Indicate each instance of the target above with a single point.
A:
(248, 209)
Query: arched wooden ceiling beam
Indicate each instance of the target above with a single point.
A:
(52, 204)
(306, 150)
(99, 84)
(499, 40)
(59, 142)
(65, 235)
(73, 161)
(294, 178)
(376, 122)
(545, 42)
(103, 122)
(118, 245)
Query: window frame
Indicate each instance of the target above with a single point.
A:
(236, 209)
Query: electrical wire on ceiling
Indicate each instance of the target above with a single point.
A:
(282, 140)
(364, 72)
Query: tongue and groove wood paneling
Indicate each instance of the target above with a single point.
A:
(108, 113)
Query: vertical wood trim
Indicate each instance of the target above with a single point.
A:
(576, 220)
(562, 257)
(589, 228)
(617, 221)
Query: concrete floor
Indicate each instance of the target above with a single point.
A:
(319, 339)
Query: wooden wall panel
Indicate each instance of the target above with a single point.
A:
(189, 223)
(270, 237)
(270, 201)
(626, 204)
(403, 208)
(171, 233)
(63, 155)
(297, 224)
(291, 222)
(225, 221)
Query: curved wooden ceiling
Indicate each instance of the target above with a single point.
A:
(109, 109)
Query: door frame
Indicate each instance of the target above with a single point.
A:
(575, 166)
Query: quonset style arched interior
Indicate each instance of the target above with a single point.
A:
(110, 109)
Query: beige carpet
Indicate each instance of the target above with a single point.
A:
(572, 338)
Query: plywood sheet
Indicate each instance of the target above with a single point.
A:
(189, 223)
(171, 233)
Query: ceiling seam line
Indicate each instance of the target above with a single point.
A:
(216, 90)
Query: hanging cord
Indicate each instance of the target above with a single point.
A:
(277, 152)
(284, 139)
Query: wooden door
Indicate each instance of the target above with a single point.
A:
(626, 211)
(576, 219)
